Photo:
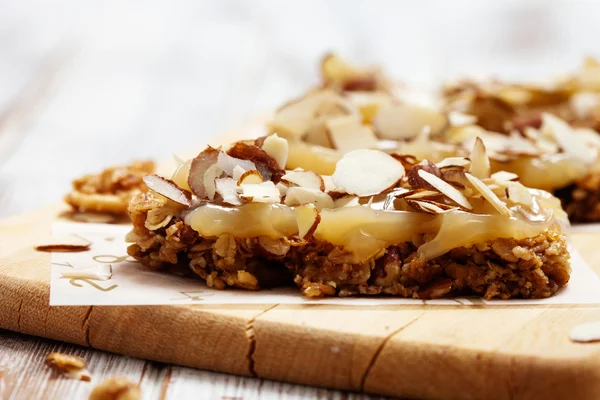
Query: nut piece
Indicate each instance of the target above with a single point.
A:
(97, 273)
(200, 164)
(347, 133)
(63, 243)
(446, 189)
(367, 172)
(116, 388)
(228, 188)
(169, 189)
(250, 177)
(480, 163)
(305, 179)
(307, 218)
(210, 176)
(453, 162)
(69, 366)
(265, 192)
(405, 121)
(416, 181)
(488, 195)
(277, 148)
(300, 195)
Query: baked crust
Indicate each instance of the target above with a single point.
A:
(533, 267)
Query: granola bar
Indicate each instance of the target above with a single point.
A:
(111, 190)
(546, 135)
(380, 224)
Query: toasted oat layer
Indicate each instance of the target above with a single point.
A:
(111, 190)
(581, 200)
(503, 268)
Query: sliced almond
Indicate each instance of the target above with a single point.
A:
(228, 163)
(504, 176)
(198, 168)
(307, 218)
(447, 189)
(238, 172)
(210, 177)
(367, 172)
(429, 206)
(328, 182)
(566, 137)
(250, 177)
(346, 201)
(169, 189)
(405, 121)
(415, 180)
(295, 118)
(265, 164)
(63, 243)
(347, 133)
(265, 192)
(488, 195)
(283, 188)
(277, 148)
(480, 163)
(453, 162)
(97, 273)
(456, 118)
(518, 194)
(306, 179)
(228, 189)
(455, 176)
(300, 195)
(418, 194)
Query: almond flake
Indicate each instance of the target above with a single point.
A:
(265, 192)
(228, 163)
(480, 163)
(307, 218)
(504, 176)
(210, 176)
(405, 121)
(419, 194)
(98, 273)
(169, 189)
(453, 162)
(277, 148)
(63, 243)
(300, 195)
(367, 172)
(567, 138)
(347, 133)
(198, 167)
(446, 189)
(346, 201)
(227, 188)
(428, 206)
(238, 172)
(488, 195)
(519, 194)
(306, 179)
(456, 118)
(250, 177)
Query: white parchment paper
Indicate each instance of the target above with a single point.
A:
(133, 284)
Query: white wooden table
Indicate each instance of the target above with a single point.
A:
(83, 86)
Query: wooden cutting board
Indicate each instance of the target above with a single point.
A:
(445, 352)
